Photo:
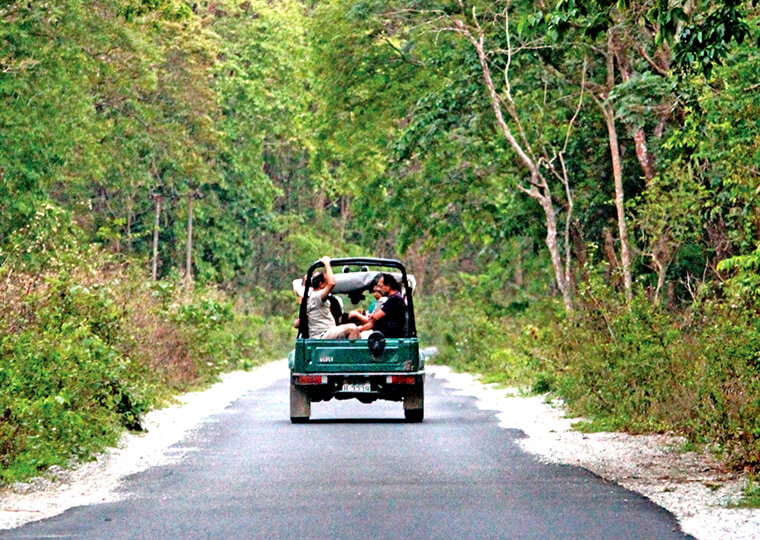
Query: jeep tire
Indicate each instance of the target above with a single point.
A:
(414, 404)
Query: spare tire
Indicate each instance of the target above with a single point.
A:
(376, 344)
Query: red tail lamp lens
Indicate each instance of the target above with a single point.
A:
(312, 379)
(403, 379)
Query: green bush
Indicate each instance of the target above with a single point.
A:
(642, 368)
(88, 346)
(65, 388)
(632, 366)
(222, 338)
(502, 349)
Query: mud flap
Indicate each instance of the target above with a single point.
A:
(414, 404)
(300, 405)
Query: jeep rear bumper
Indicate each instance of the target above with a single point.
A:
(366, 387)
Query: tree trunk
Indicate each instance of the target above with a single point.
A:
(579, 249)
(617, 172)
(617, 48)
(646, 161)
(156, 225)
(189, 246)
(551, 243)
(661, 258)
(568, 224)
(662, 269)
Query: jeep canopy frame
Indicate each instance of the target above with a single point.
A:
(369, 262)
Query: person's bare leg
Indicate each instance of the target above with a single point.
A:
(354, 333)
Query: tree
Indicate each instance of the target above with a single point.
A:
(46, 133)
(538, 153)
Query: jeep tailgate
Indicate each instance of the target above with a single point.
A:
(343, 356)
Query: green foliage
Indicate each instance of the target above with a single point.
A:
(667, 223)
(751, 496)
(67, 388)
(643, 368)
(624, 366)
(744, 285)
(221, 338)
(107, 106)
(706, 41)
(87, 347)
(349, 127)
(721, 143)
(49, 238)
(503, 349)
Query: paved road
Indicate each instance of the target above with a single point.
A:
(358, 471)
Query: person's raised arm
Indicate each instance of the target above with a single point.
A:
(329, 278)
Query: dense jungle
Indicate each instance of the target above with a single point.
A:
(574, 183)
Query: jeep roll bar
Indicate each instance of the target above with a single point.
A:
(303, 324)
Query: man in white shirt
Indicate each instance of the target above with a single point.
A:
(321, 321)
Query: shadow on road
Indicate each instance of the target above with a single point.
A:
(357, 421)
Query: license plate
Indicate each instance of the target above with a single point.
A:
(359, 388)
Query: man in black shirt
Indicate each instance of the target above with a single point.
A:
(389, 318)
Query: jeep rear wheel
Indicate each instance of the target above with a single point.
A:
(300, 405)
(414, 415)
(414, 404)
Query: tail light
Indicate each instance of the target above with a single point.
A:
(311, 379)
(401, 379)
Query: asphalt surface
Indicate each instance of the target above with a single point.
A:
(359, 471)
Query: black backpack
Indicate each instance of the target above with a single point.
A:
(335, 308)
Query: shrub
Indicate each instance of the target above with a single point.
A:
(88, 346)
(631, 366)
(643, 368)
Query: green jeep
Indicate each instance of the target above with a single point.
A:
(377, 367)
